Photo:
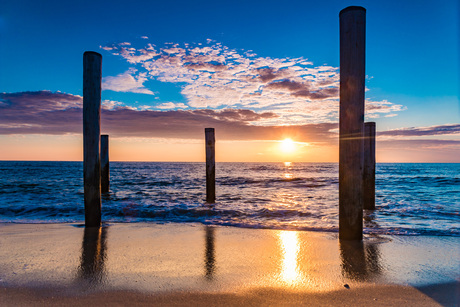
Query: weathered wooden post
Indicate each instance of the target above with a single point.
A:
(369, 166)
(105, 168)
(210, 165)
(92, 73)
(352, 76)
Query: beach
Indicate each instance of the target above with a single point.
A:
(194, 264)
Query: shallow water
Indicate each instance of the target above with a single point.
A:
(411, 199)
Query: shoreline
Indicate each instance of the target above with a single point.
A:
(375, 295)
(173, 263)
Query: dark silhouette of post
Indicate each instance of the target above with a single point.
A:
(352, 76)
(92, 73)
(105, 169)
(369, 166)
(210, 165)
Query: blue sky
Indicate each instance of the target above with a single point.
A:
(412, 62)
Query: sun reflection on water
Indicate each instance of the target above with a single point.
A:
(287, 172)
(290, 273)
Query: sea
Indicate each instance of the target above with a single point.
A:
(411, 198)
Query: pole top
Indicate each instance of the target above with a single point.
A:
(352, 8)
(88, 53)
(208, 129)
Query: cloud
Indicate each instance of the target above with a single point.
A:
(302, 89)
(229, 124)
(34, 102)
(46, 112)
(41, 112)
(373, 108)
(447, 129)
(420, 144)
(214, 76)
(56, 113)
(127, 82)
(171, 105)
(132, 55)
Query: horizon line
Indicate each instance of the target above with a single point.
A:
(118, 161)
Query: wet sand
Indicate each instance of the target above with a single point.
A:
(192, 264)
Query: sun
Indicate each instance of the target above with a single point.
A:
(288, 146)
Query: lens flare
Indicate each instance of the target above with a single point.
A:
(288, 146)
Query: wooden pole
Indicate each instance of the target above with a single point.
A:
(352, 76)
(92, 73)
(210, 165)
(105, 169)
(369, 166)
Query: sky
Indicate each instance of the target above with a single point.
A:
(259, 72)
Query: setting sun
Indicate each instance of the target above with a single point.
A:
(288, 146)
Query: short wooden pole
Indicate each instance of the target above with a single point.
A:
(92, 74)
(210, 165)
(352, 77)
(105, 164)
(369, 166)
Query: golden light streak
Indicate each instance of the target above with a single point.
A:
(290, 268)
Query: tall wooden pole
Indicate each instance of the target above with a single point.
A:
(105, 168)
(369, 166)
(210, 165)
(352, 76)
(92, 73)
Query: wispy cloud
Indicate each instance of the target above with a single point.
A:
(171, 106)
(421, 144)
(375, 108)
(128, 81)
(215, 76)
(447, 129)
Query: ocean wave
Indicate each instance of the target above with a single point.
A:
(410, 199)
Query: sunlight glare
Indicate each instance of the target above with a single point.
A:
(288, 146)
(290, 268)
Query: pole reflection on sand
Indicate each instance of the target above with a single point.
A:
(93, 256)
(209, 253)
